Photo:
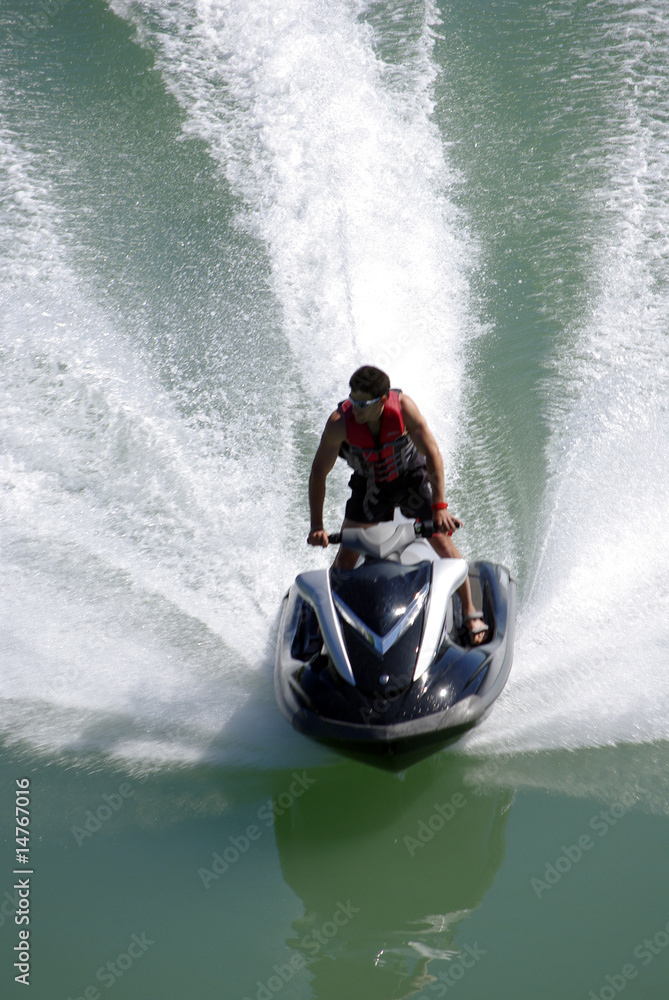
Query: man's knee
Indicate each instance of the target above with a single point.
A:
(345, 559)
(444, 546)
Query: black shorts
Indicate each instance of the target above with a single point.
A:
(412, 493)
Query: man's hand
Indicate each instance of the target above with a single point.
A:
(444, 522)
(333, 437)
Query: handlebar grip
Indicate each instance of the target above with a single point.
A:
(424, 529)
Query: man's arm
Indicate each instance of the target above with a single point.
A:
(425, 442)
(333, 437)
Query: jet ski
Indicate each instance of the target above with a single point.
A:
(376, 661)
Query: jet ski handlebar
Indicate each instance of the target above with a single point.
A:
(422, 529)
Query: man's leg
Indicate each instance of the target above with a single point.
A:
(417, 503)
(363, 503)
(445, 546)
(347, 558)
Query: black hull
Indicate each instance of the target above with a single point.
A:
(387, 748)
(396, 728)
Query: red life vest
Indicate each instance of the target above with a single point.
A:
(391, 456)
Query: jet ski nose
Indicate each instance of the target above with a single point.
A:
(381, 608)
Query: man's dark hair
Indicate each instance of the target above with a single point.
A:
(370, 379)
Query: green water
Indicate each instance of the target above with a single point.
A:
(190, 269)
(460, 864)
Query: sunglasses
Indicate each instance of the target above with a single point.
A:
(362, 404)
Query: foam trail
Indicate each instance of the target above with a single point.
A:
(592, 644)
(128, 559)
(341, 173)
(133, 579)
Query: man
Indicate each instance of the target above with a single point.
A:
(396, 463)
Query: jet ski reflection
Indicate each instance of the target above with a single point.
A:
(387, 871)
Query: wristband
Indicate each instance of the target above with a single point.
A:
(439, 506)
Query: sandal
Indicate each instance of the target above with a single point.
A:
(479, 630)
